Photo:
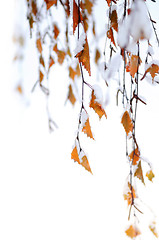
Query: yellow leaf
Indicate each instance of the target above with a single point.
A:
(87, 129)
(150, 175)
(134, 156)
(83, 57)
(85, 163)
(132, 232)
(138, 173)
(127, 122)
(152, 227)
(96, 106)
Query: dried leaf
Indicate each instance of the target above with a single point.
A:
(39, 45)
(132, 232)
(74, 155)
(85, 163)
(71, 96)
(114, 20)
(41, 77)
(56, 31)
(83, 57)
(19, 89)
(110, 35)
(134, 64)
(135, 156)
(127, 122)
(150, 175)
(87, 129)
(61, 56)
(96, 106)
(138, 173)
(97, 56)
(34, 7)
(42, 61)
(128, 196)
(153, 70)
(152, 227)
(88, 5)
(50, 3)
(76, 18)
(72, 73)
(51, 62)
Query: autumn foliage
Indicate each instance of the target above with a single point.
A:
(121, 58)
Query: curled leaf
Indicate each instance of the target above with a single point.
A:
(97, 107)
(150, 175)
(139, 173)
(132, 232)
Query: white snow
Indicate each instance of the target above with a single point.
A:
(81, 41)
(98, 93)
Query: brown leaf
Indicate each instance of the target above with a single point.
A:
(114, 20)
(50, 3)
(56, 31)
(51, 62)
(132, 232)
(71, 96)
(134, 64)
(61, 56)
(34, 7)
(39, 45)
(138, 173)
(150, 175)
(96, 106)
(110, 35)
(83, 57)
(87, 129)
(42, 61)
(134, 156)
(88, 5)
(97, 56)
(76, 18)
(127, 122)
(74, 155)
(72, 73)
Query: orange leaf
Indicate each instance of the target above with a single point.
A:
(34, 7)
(108, 2)
(88, 5)
(72, 73)
(51, 62)
(42, 61)
(87, 129)
(56, 31)
(153, 70)
(76, 18)
(74, 155)
(61, 56)
(39, 45)
(152, 227)
(130, 195)
(127, 122)
(132, 232)
(150, 175)
(110, 35)
(97, 56)
(41, 76)
(134, 156)
(96, 106)
(85, 163)
(49, 3)
(71, 96)
(134, 64)
(19, 89)
(114, 20)
(83, 57)
(138, 173)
